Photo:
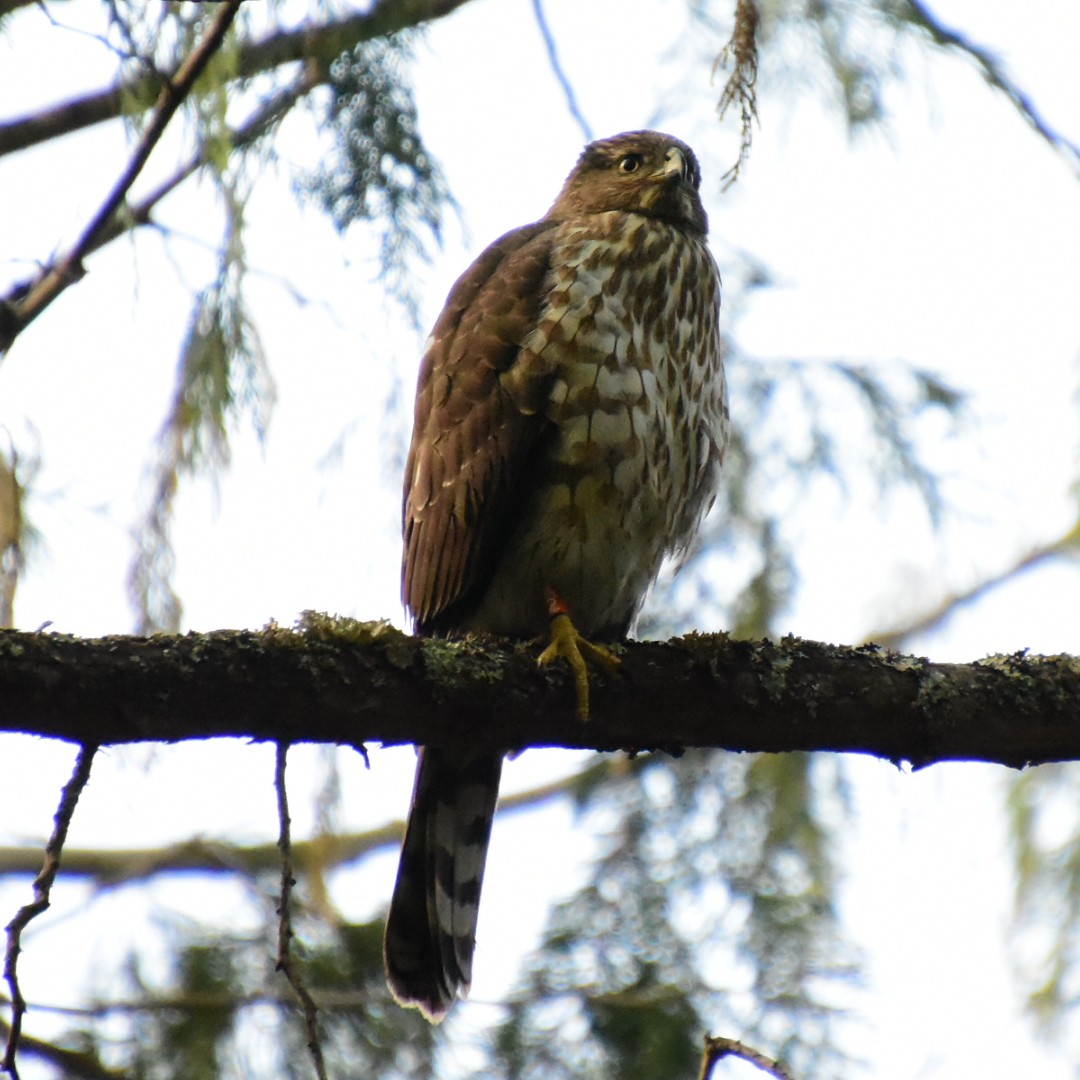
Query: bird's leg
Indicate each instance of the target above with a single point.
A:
(575, 649)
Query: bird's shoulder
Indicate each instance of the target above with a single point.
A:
(491, 303)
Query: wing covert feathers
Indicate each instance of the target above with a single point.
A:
(472, 438)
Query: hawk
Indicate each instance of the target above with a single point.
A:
(570, 424)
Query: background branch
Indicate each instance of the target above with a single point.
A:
(321, 44)
(1066, 545)
(43, 884)
(286, 961)
(73, 1064)
(269, 113)
(207, 856)
(716, 1049)
(15, 317)
(559, 71)
(992, 70)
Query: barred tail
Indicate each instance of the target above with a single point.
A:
(431, 927)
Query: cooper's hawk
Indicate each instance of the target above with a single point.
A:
(570, 424)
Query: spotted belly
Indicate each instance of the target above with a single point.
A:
(636, 404)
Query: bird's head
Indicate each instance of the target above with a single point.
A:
(641, 172)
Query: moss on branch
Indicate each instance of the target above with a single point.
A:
(342, 681)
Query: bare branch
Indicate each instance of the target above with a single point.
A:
(43, 883)
(557, 70)
(17, 316)
(993, 71)
(716, 1049)
(331, 850)
(141, 214)
(340, 681)
(1064, 546)
(316, 45)
(285, 959)
(269, 113)
(73, 1064)
(23, 132)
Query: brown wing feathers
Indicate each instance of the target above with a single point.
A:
(470, 439)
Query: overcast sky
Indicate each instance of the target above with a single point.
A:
(948, 240)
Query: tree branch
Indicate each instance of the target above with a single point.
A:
(286, 962)
(341, 681)
(1065, 546)
(269, 113)
(43, 884)
(559, 72)
(192, 1001)
(993, 71)
(321, 44)
(16, 316)
(206, 856)
(716, 1049)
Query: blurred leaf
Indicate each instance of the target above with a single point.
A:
(1045, 831)
(648, 1030)
(711, 906)
(222, 375)
(186, 1037)
(11, 537)
(380, 172)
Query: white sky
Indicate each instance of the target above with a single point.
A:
(950, 241)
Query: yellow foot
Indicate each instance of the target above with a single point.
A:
(576, 650)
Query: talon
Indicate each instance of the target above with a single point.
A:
(575, 649)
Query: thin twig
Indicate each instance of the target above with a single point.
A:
(716, 1049)
(559, 73)
(740, 88)
(994, 73)
(322, 42)
(16, 317)
(260, 121)
(1067, 545)
(43, 884)
(285, 932)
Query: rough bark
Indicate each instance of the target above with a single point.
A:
(340, 681)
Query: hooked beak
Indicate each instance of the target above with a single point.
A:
(674, 164)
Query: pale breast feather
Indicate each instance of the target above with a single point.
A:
(646, 349)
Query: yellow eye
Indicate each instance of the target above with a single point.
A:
(630, 163)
